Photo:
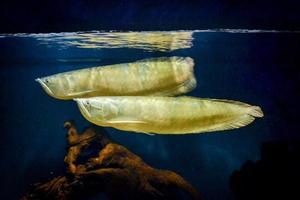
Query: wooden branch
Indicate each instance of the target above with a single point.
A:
(116, 171)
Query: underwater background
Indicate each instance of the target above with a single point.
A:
(257, 67)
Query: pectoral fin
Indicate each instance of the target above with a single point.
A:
(80, 93)
(127, 124)
(126, 120)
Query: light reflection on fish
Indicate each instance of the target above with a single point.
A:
(167, 115)
(157, 76)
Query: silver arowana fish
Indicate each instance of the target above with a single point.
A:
(167, 115)
(157, 77)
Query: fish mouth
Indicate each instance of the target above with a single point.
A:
(44, 86)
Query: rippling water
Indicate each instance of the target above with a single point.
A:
(254, 66)
(151, 41)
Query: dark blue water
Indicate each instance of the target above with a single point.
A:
(256, 68)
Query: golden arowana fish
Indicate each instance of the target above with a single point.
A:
(157, 77)
(167, 115)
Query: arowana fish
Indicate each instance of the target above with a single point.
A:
(167, 115)
(157, 77)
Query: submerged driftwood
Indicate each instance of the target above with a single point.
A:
(116, 172)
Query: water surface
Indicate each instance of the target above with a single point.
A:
(256, 67)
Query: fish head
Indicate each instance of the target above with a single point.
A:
(97, 108)
(52, 86)
(85, 107)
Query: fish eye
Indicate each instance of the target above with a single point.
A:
(47, 81)
(87, 105)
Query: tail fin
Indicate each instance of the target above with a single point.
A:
(256, 111)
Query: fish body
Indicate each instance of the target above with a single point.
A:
(167, 115)
(158, 77)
